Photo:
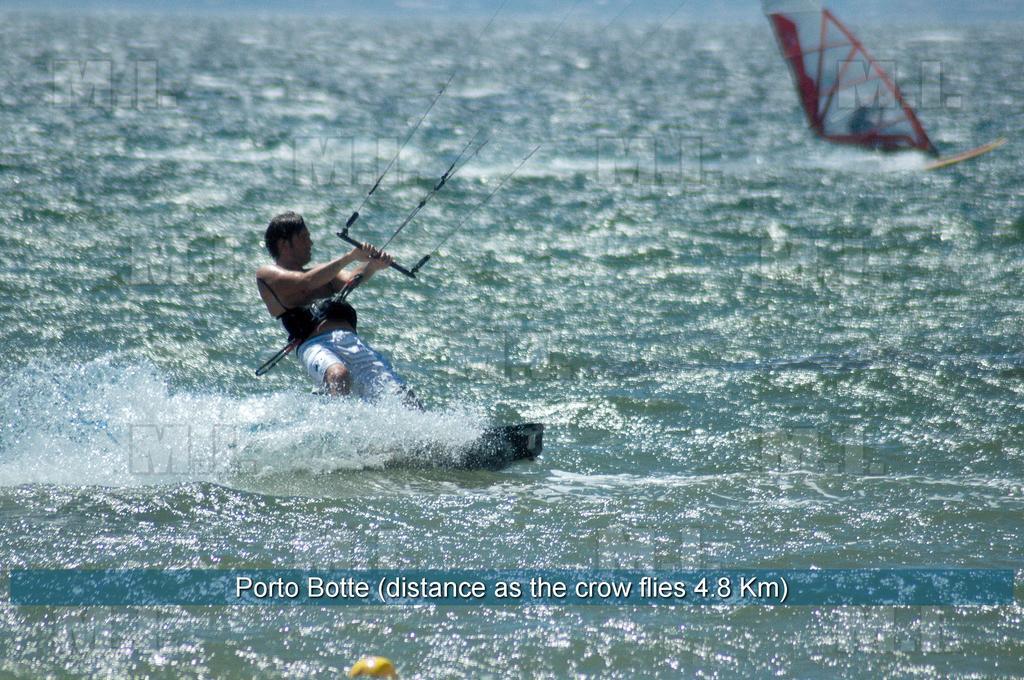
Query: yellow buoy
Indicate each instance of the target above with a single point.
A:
(374, 667)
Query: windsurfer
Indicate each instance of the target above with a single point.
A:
(860, 121)
(810, 38)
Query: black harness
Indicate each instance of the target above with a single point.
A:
(300, 322)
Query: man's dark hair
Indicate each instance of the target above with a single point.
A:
(283, 227)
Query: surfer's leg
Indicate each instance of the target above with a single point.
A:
(377, 376)
(325, 368)
(337, 380)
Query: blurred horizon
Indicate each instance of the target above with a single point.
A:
(715, 11)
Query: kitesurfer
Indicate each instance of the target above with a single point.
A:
(300, 297)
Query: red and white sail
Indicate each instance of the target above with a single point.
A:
(847, 95)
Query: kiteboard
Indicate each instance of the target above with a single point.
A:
(495, 449)
(499, 447)
(846, 94)
(947, 161)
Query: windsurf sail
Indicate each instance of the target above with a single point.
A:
(846, 94)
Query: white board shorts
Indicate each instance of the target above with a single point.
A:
(370, 372)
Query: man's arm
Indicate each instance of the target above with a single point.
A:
(296, 288)
(380, 261)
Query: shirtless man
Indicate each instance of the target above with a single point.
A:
(333, 354)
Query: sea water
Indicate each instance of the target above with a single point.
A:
(750, 349)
